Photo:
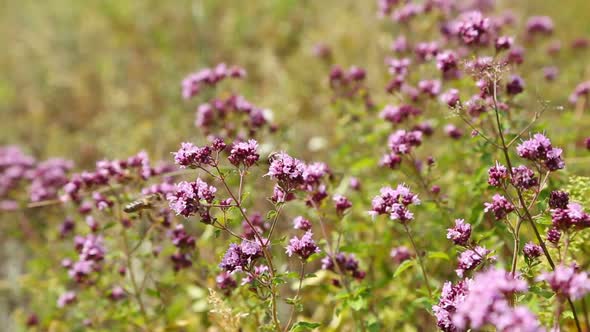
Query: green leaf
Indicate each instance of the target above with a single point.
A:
(403, 266)
(304, 326)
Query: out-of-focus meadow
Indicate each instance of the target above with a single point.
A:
(87, 80)
(101, 78)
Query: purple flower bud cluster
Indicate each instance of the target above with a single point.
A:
(350, 85)
(66, 299)
(451, 98)
(347, 263)
(395, 203)
(471, 259)
(473, 28)
(487, 303)
(44, 178)
(451, 297)
(117, 293)
(223, 114)
(515, 85)
(500, 206)
(187, 199)
(453, 131)
(497, 174)
(461, 233)
(567, 281)
(398, 114)
(559, 199)
(301, 223)
(426, 51)
(524, 177)
(226, 282)
(406, 12)
(539, 25)
(573, 216)
(302, 247)
(244, 153)
(47, 178)
(107, 172)
(400, 142)
(429, 88)
(241, 257)
(14, 164)
(504, 43)
(532, 251)
(192, 156)
(341, 203)
(91, 253)
(193, 83)
(539, 149)
(448, 63)
(291, 173)
(582, 90)
(259, 224)
(400, 254)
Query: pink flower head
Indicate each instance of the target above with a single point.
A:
(500, 206)
(244, 153)
(460, 233)
(302, 247)
(566, 281)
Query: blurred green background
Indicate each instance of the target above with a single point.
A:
(93, 79)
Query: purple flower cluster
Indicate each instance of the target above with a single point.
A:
(244, 153)
(192, 156)
(291, 173)
(226, 282)
(401, 142)
(66, 298)
(302, 247)
(472, 258)
(573, 216)
(497, 174)
(515, 85)
(582, 90)
(188, 197)
(398, 114)
(539, 25)
(473, 28)
(559, 199)
(341, 203)
(460, 233)
(14, 164)
(524, 177)
(567, 281)
(47, 178)
(193, 83)
(400, 254)
(117, 171)
(301, 223)
(487, 302)
(395, 202)
(539, 149)
(240, 257)
(347, 263)
(350, 84)
(451, 297)
(500, 206)
(91, 253)
(448, 63)
(216, 114)
(532, 251)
